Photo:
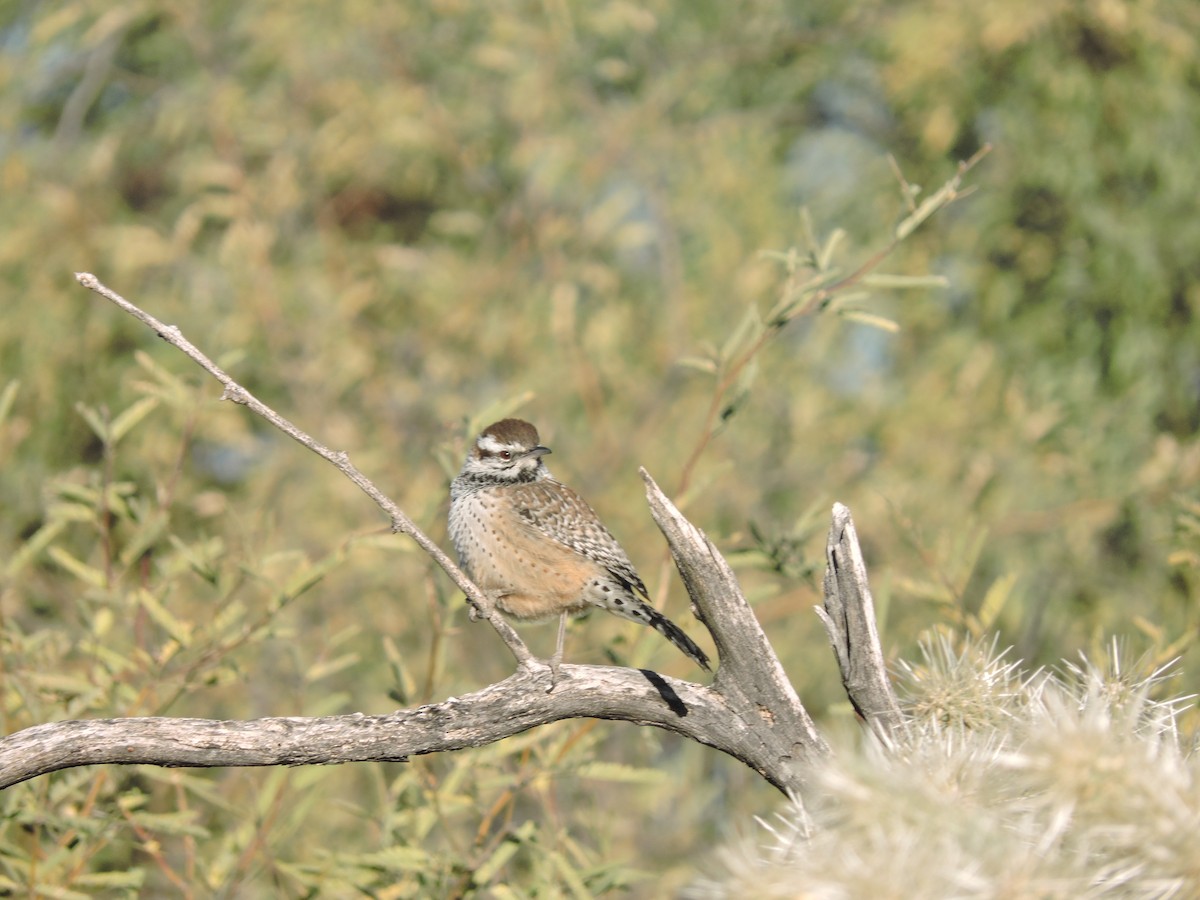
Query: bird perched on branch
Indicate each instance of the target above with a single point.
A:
(535, 547)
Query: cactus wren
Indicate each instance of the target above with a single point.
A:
(535, 547)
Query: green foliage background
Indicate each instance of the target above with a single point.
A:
(396, 221)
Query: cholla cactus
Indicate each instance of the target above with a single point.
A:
(1051, 785)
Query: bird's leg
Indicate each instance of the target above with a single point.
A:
(556, 659)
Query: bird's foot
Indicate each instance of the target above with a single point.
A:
(555, 663)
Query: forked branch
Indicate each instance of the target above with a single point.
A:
(750, 712)
(501, 710)
(849, 617)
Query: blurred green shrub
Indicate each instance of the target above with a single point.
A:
(388, 220)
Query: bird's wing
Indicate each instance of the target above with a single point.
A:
(556, 511)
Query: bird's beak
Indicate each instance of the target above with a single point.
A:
(538, 451)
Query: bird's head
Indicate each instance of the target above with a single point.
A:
(507, 451)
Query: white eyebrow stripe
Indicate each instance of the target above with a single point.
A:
(490, 444)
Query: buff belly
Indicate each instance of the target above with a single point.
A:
(527, 576)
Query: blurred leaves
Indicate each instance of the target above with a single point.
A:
(397, 222)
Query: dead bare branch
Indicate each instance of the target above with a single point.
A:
(501, 710)
(340, 460)
(750, 712)
(849, 617)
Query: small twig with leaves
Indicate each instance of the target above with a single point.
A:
(812, 286)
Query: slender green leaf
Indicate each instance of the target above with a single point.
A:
(570, 876)
(866, 318)
(699, 363)
(621, 773)
(88, 574)
(393, 859)
(129, 418)
(180, 631)
(7, 397)
(96, 420)
(34, 545)
(825, 257)
(324, 669)
(903, 282)
(124, 878)
(994, 600)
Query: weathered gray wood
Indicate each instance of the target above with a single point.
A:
(849, 617)
(749, 678)
(501, 710)
(751, 711)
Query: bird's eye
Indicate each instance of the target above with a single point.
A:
(505, 455)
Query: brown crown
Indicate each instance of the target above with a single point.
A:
(513, 431)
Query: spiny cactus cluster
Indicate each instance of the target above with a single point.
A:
(1066, 784)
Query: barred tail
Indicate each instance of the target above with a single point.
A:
(638, 611)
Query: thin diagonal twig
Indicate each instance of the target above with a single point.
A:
(339, 459)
